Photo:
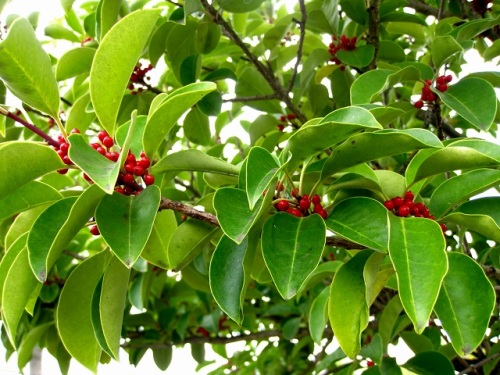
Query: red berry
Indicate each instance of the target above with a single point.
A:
(114, 156)
(75, 131)
(95, 146)
(62, 171)
(138, 170)
(318, 208)
(443, 227)
(101, 150)
(102, 134)
(291, 116)
(108, 142)
(86, 177)
(428, 82)
(61, 153)
(282, 118)
(440, 80)
(130, 159)
(389, 205)
(419, 104)
(129, 168)
(295, 193)
(323, 214)
(94, 230)
(279, 186)
(449, 78)
(370, 363)
(442, 87)
(398, 201)
(409, 196)
(66, 160)
(128, 179)
(148, 179)
(280, 127)
(403, 210)
(316, 199)
(144, 162)
(119, 190)
(64, 147)
(431, 97)
(295, 212)
(143, 154)
(305, 203)
(426, 90)
(282, 205)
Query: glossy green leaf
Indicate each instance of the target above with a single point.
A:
(470, 29)
(125, 222)
(73, 314)
(459, 155)
(355, 10)
(26, 70)
(318, 315)
(417, 343)
(389, 319)
(10, 256)
(347, 309)
(366, 147)
(292, 248)
(368, 85)
(261, 169)
(75, 62)
(459, 188)
(228, 277)
(187, 242)
(112, 303)
(252, 83)
(465, 303)
(114, 62)
(108, 12)
(19, 286)
(359, 57)
(361, 220)
(163, 357)
(31, 160)
(169, 110)
(79, 117)
(341, 81)
(481, 215)
(194, 160)
(237, 6)
(474, 99)
(197, 127)
(32, 194)
(57, 226)
(155, 251)
(22, 224)
(420, 265)
(234, 214)
(57, 31)
(315, 137)
(100, 169)
(390, 51)
(30, 341)
(430, 363)
(442, 48)
(374, 350)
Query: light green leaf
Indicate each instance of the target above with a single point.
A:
(114, 63)
(108, 13)
(420, 265)
(58, 31)
(366, 147)
(169, 110)
(238, 6)
(74, 313)
(30, 341)
(125, 222)
(26, 70)
(57, 226)
(358, 57)
(261, 169)
(465, 303)
(318, 315)
(292, 248)
(442, 48)
(355, 10)
(361, 220)
(155, 251)
(459, 188)
(194, 160)
(474, 99)
(10, 256)
(75, 62)
(31, 160)
(470, 29)
(228, 275)
(347, 309)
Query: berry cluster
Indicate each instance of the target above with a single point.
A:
(300, 206)
(427, 94)
(138, 78)
(62, 151)
(343, 43)
(285, 121)
(405, 206)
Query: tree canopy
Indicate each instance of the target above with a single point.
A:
(293, 175)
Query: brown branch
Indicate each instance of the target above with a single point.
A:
(302, 24)
(426, 9)
(168, 204)
(491, 272)
(478, 365)
(343, 243)
(264, 70)
(373, 27)
(251, 98)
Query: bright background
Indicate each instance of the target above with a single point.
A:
(182, 362)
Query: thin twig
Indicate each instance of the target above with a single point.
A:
(440, 10)
(426, 9)
(188, 187)
(168, 204)
(302, 24)
(480, 364)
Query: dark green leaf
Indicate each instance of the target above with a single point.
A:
(318, 315)
(237, 6)
(358, 57)
(430, 363)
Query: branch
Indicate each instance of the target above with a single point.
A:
(478, 365)
(251, 98)
(302, 25)
(491, 272)
(345, 244)
(373, 26)
(168, 204)
(425, 9)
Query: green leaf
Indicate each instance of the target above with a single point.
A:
(390, 51)
(31, 195)
(459, 188)
(472, 28)
(474, 99)
(366, 147)
(318, 315)
(19, 287)
(465, 303)
(442, 48)
(57, 226)
(375, 349)
(187, 241)
(228, 276)
(10, 256)
(30, 341)
(163, 357)
(358, 57)
(78, 117)
(313, 137)
(197, 127)
(32, 160)
(26, 70)
(112, 303)
(237, 6)
(125, 222)
(57, 31)
(155, 251)
(194, 160)
(481, 215)
(341, 81)
(347, 309)
(252, 83)
(75, 62)
(234, 214)
(361, 220)
(420, 265)
(107, 13)
(73, 314)
(169, 110)
(355, 10)
(114, 63)
(430, 363)
(292, 248)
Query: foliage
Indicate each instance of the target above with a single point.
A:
(277, 181)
